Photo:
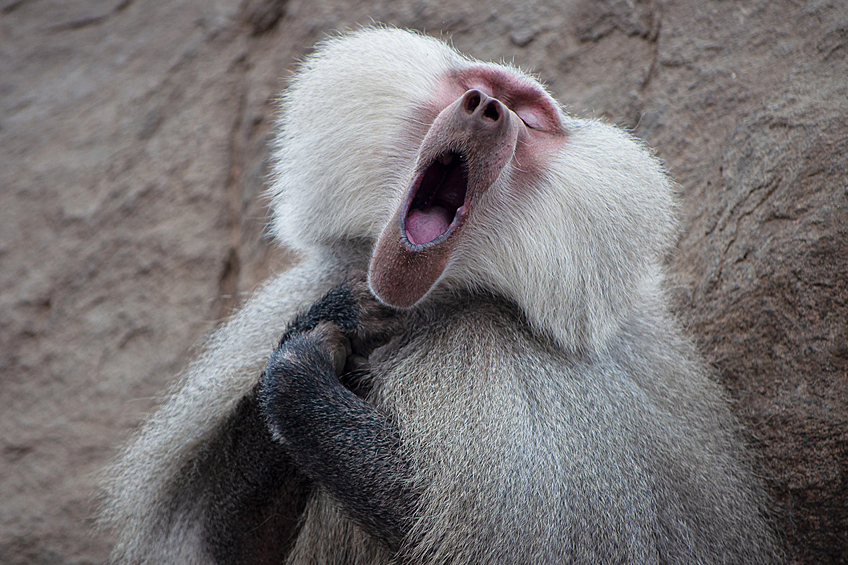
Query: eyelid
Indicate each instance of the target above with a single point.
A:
(531, 118)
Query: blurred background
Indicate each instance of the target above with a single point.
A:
(133, 155)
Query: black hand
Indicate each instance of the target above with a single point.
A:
(335, 437)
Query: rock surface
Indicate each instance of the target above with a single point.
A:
(133, 145)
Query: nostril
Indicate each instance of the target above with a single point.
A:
(492, 111)
(472, 100)
(482, 109)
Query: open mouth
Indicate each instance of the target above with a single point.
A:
(437, 203)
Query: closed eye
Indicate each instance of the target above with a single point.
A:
(530, 118)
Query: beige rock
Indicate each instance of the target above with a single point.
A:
(133, 141)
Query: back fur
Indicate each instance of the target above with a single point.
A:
(150, 501)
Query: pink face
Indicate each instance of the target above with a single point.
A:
(481, 118)
(543, 133)
(533, 105)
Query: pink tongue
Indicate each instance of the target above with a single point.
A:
(423, 226)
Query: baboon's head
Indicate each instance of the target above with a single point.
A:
(463, 175)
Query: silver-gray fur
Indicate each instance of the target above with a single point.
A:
(549, 407)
